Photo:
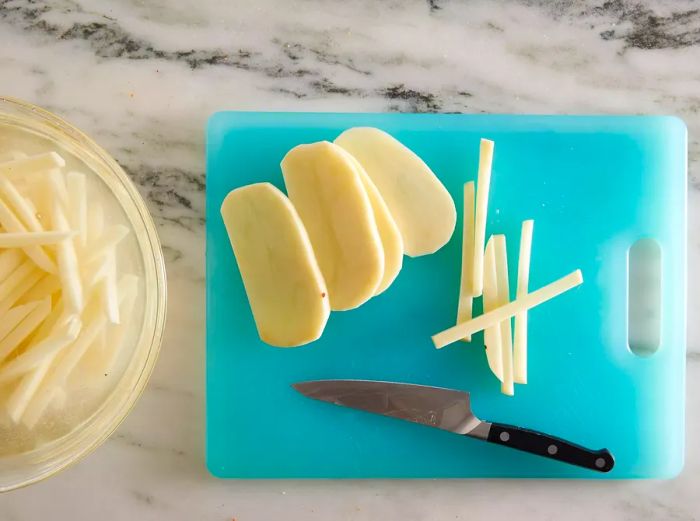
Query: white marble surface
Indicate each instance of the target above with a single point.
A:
(142, 77)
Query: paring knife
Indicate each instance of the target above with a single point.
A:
(449, 410)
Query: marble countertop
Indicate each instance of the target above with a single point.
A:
(142, 78)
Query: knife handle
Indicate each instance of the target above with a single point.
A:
(550, 447)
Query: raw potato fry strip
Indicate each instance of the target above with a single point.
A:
(109, 239)
(23, 285)
(9, 261)
(100, 359)
(50, 323)
(47, 286)
(15, 278)
(492, 335)
(69, 359)
(93, 273)
(19, 399)
(520, 343)
(519, 305)
(68, 265)
(466, 289)
(20, 205)
(24, 328)
(505, 325)
(36, 354)
(77, 197)
(21, 240)
(11, 156)
(116, 343)
(56, 185)
(58, 400)
(13, 317)
(110, 293)
(96, 222)
(482, 202)
(11, 223)
(32, 165)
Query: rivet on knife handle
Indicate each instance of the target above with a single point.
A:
(550, 447)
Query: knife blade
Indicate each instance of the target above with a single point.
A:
(450, 410)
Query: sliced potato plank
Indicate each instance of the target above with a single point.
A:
(335, 209)
(420, 205)
(389, 233)
(285, 288)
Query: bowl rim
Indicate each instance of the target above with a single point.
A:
(82, 446)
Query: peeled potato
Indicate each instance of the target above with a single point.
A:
(285, 288)
(421, 206)
(389, 232)
(328, 193)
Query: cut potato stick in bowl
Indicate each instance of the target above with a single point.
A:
(19, 240)
(61, 286)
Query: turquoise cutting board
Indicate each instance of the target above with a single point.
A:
(593, 185)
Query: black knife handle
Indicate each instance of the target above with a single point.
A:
(550, 447)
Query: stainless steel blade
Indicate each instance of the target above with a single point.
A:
(445, 409)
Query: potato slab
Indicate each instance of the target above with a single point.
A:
(421, 206)
(328, 193)
(285, 288)
(389, 232)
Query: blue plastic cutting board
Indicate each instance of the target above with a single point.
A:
(593, 185)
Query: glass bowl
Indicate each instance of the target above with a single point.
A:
(45, 457)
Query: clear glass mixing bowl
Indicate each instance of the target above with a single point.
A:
(52, 455)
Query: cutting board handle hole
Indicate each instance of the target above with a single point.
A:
(644, 297)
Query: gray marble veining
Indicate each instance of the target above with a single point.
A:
(142, 78)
